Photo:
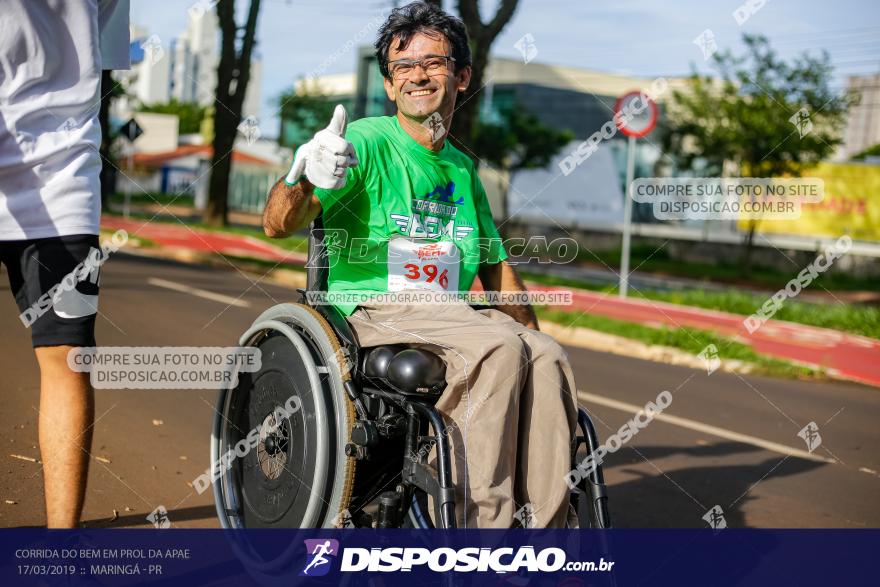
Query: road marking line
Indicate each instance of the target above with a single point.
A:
(706, 428)
(199, 293)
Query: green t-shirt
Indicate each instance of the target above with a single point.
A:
(401, 188)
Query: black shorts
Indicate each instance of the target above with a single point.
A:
(55, 284)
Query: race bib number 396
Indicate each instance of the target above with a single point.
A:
(422, 265)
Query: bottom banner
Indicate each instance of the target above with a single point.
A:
(378, 558)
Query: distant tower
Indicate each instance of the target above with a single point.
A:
(194, 74)
(863, 121)
(195, 55)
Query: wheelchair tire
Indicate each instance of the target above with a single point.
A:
(294, 472)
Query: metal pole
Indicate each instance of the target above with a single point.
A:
(126, 207)
(627, 217)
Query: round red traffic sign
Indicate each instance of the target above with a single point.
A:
(635, 114)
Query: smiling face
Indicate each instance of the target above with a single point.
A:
(418, 95)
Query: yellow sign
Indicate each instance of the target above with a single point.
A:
(851, 205)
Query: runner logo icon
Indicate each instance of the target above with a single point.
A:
(320, 551)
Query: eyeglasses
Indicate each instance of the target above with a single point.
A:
(431, 64)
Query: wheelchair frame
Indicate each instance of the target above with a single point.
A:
(383, 413)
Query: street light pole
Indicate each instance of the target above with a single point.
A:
(627, 216)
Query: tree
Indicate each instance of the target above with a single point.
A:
(308, 108)
(519, 141)
(873, 151)
(189, 114)
(752, 118)
(481, 38)
(233, 74)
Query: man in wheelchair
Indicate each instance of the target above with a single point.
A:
(413, 215)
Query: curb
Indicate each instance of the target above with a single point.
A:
(595, 340)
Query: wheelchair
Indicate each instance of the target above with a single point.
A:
(352, 448)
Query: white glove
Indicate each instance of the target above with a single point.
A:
(325, 159)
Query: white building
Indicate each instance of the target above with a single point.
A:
(147, 82)
(185, 69)
(863, 125)
(194, 58)
(253, 95)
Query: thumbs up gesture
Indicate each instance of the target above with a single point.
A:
(325, 159)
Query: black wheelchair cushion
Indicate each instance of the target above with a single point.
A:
(416, 370)
(408, 370)
(377, 358)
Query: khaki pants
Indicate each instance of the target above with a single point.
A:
(509, 405)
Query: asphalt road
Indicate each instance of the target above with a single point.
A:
(725, 440)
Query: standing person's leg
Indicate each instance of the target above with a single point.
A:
(547, 424)
(67, 411)
(59, 323)
(485, 372)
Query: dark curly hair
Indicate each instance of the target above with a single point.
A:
(421, 17)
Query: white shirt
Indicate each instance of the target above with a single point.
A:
(51, 56)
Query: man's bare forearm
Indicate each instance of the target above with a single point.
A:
(502, 277)
(524, 314)
(289, 208)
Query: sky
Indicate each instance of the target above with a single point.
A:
(637, 37)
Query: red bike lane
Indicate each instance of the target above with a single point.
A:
(847, 355)
(180, 236)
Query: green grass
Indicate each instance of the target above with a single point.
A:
(687, 339)
(153, 198)
(142, 243)
(650, 259)
(856, 319)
